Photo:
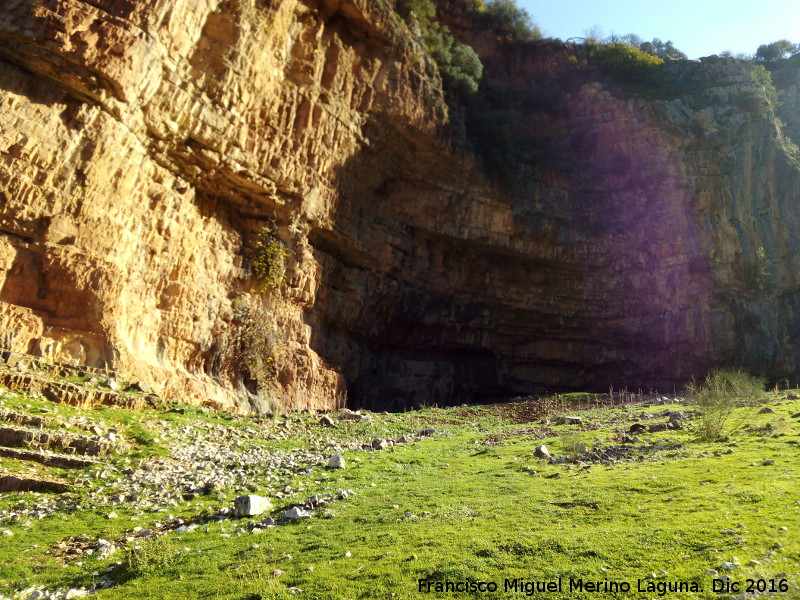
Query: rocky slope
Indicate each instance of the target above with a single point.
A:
(145, 145)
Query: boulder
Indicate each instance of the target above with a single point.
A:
(677, 419)
(350, 415)
(296, 513)
(250, 505)
(656, 427)
(568, 420)
(542, 452)
(336, 462)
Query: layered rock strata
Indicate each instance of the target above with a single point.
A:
(144, 146)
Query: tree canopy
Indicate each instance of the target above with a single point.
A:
(511, 21)
(780, 50)
(656, 47)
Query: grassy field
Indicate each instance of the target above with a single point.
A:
(665, 516)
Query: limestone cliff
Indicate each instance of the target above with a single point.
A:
(145, 145)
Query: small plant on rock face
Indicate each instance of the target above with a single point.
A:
(269, 260)
(262, 339)
(761, 271)
(719, 395)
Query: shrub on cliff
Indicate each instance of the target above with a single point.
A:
(269, 260)
(262, 342)
(459, 64)
(422, 9)
(512, 22)
(719, 395)
(624, 62)
(776, 51)
(761, 99)
(475, 5)
(664, 50)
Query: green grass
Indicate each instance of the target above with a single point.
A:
(471, 503)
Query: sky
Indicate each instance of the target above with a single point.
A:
(696, 27)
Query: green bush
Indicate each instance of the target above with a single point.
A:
(722, 392)
(156, 556)
(511, 21)
(262, 339)
(776, 51)
(422, 9)
(768, 95)
(474, 5)
(269, 260)
(761, 270)
(665, 50)
(459, 65)
(623, 61)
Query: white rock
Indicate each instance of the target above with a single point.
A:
(250, 505)
(296, 513)
(336, 462)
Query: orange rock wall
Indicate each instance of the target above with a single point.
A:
(143, 145)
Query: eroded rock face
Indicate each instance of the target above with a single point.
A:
(144, 146)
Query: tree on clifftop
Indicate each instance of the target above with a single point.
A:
(511, 21)
(780, 50)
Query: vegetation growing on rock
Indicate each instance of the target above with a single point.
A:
(269, 259)
(624, 61)
(775, 52)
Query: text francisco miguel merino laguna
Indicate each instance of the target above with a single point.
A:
(529, 588)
